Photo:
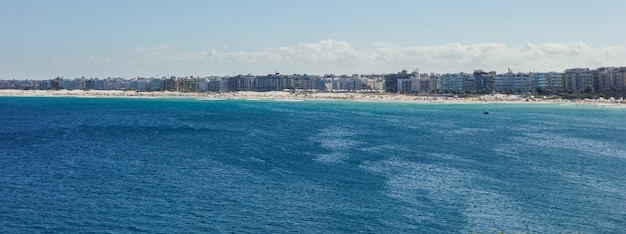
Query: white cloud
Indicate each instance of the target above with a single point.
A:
(94, 60)
(333, 56)
(151, 48)
(159, 52)
(60, 60)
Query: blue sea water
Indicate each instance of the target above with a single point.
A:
(271, 166)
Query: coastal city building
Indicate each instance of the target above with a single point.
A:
(577, 79)
(391, 81)
(452, 82)
(512, 83)
(604, 81)
(546, 82)
(483, 81)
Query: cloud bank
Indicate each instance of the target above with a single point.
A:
(333, 56)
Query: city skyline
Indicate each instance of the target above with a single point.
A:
(201, 38)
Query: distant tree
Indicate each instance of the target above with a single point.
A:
(613, 91)
(541, 90)
(589, 89)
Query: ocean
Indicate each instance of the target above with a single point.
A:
(160, 165)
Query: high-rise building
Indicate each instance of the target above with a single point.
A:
(577, 79)
(391, 81)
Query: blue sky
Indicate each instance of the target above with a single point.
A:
(72, 38)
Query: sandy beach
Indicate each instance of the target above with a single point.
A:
(375, 97)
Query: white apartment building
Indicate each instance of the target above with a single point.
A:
(513, 83)
(577, 79)
(550, 82)
(451, 82)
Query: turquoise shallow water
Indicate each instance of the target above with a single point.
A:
(186, 165)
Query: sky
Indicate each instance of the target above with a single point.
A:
(151, 38)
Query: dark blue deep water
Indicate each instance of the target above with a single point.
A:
(268, 166)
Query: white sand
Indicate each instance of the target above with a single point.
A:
(378, 97)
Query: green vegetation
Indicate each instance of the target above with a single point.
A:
(589, 89)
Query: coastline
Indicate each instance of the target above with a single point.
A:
(367, 97)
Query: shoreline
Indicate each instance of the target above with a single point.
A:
(366, 97)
